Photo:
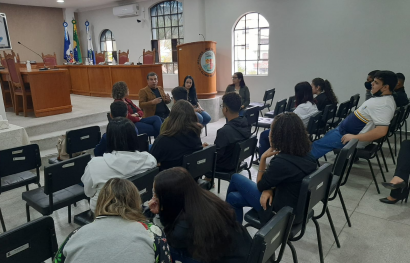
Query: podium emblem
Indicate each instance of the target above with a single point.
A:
(207, 62)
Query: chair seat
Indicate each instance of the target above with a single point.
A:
(17, 180)
(265, 122)
(367, 152)
(261, 105)
(40, 201)
(53, 160)
(252, 218)
(228, 174)
(270, 114)
(84, 218)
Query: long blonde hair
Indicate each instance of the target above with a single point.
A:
(120, 197)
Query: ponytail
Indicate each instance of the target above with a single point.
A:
(325, 87)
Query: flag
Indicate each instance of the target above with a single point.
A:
(68, 53)
(76, 44)
(90, 49)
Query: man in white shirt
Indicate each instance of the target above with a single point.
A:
(368, 123)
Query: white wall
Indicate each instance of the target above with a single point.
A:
(338, 40)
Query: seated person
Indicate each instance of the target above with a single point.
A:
(122, 159)
(368, 83)
(178, 93)
(399, 183)
(203, 116)
(235, 130)
(117, 109)
(153, 99)
(368, 123)
(305, 108)
(149, 125)
(290, 146)
(238, 86)
(120, 232)
(324, 93)
(199, 226)
(399, 94)
(180, 138)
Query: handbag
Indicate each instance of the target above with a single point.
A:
(62, 149)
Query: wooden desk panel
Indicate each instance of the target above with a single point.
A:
(100, 81)
(79, 80)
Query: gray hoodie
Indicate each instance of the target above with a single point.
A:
(113, 165)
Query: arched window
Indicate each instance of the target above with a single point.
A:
(251, 45)
(108, 45)
(167, 25)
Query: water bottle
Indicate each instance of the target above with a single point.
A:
(28, 65)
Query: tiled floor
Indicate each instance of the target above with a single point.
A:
(379, 232)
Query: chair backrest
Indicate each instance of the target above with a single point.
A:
(143, 143)
(200, 162)
(17, 58)
(343, 109)
(394, 123)
(34, 242)
(14, 71)
(49, 60)
(313, 124)
(354, 101)
(243, 150)
(3, 61)
(329, 112)
(19, 159)
(82, 139)
(280, 107)
(271, 236)
(269, 95)
(291, 104)
(148, 57)
(252, 115)
(145, 182)
(123, 57)
(99, 57)
(407, 113)
(314, 189)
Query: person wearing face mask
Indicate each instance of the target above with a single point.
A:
(400, 95)
(368, 83)
(368, 123)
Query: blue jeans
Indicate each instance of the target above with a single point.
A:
(243, 192)
(203, 117)
(241, 112)
(150, 125)
(264, 143)
(331, 140)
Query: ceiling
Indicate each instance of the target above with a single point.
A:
(78, 4)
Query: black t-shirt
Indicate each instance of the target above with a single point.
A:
(161, 108)
(322, 101)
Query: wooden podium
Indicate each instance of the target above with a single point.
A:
(197, 59)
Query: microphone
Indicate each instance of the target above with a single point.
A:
(202, 36)
(139, 63)
(36, 54)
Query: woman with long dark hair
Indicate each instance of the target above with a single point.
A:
(325, 95)
(290, 146)
(122, 159)
(180, 137)
(203, 116)
(238, 86)
(199, 226)
(119, 233)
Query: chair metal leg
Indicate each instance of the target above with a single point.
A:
(374, 178)
(2, 221)
(206, 131)
(391, 151)
(219, 186)
(39, 185)
(344, 208)
(319, 240)
(293, 250)
(249, 173)
(332, 226)
(27, 188)
(75, 204)
(380, 166)
(384, 160)
(395, 145)
(28, 212)
(324, 156)
(348, 170)
(69, 214)
(405, 125)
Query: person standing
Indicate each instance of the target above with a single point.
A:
(238, 86)
(203, 116)
(152, 98)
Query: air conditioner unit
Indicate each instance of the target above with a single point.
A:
(126, 10)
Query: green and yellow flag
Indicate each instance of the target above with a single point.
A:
(76, 44)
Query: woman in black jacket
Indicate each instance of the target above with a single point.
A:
(199, 226)
(180, 137)
(290, 146)
(325, 95)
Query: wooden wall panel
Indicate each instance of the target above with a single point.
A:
(100, 82)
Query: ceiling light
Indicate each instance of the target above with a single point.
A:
(60, 1)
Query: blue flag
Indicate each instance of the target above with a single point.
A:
(68, 53)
